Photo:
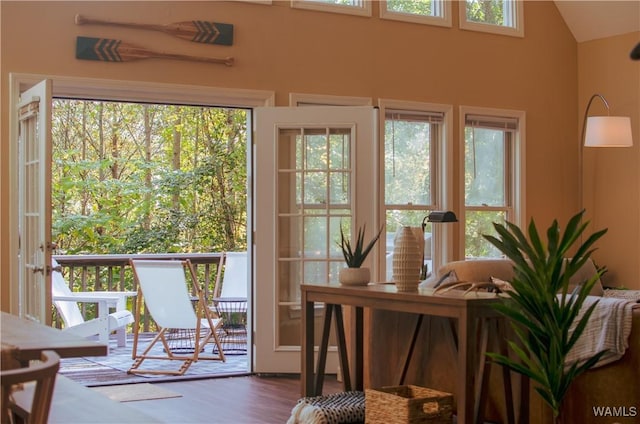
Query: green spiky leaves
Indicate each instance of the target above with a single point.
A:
(541, 310)
(354, 256)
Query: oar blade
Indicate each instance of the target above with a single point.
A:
(203, 32)
(101, 49)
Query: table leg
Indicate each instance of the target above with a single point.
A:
(466, 367)
(412, 345)
(358, 349)
(322, 350)
(306, 349)
(484, 371)
(342, 348)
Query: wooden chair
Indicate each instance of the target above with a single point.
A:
(66, 303)
(230, 301)
(162, 287)
(20, 401)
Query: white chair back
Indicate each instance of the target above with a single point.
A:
(234, 281)
(69, 311)
(164, 288)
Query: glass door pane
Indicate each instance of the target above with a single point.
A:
(306, 183)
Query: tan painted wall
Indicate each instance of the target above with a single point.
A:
(287, 50)
(612, 176)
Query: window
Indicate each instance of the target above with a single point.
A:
(352, 7)
(492, 182)
(413, 158)
(495, 16)
(431, 12)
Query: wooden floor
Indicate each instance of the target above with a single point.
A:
(233, 400)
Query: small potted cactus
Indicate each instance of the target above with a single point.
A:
(354, 256)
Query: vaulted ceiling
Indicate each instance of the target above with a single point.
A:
(590, 20)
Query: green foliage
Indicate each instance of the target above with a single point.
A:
(355, 256)
(486, 11)
(541, 318)
(417, 7)
(134, 178)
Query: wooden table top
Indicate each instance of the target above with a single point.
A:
(386, 296)
(28, 338)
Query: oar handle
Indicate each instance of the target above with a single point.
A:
(82, 20)
(225, 61)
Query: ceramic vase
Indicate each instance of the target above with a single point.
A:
(406, 261)
(354, 276)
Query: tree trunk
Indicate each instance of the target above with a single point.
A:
(146, 222)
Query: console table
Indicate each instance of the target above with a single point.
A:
(473, 313)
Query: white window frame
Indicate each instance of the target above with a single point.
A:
(443, 19)
(364, 9)
(516, 13)
(443, 250)
(518, 166)
(305, 99)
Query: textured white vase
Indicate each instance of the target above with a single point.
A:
(406, 261)
(354, 276)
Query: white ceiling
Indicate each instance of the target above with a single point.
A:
(590, 20)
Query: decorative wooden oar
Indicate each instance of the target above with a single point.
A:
(108, 50)
(198, 31)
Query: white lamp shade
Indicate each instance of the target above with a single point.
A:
(608, 131)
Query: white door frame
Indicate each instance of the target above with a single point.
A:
(76, 87)
(272, 355)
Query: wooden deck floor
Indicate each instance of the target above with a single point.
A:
(233, 400)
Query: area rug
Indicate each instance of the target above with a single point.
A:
(135, 392)
(112, 369)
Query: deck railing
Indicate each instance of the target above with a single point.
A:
(113, 273)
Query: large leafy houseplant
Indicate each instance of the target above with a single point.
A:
(541, 309)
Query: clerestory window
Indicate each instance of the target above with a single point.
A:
(429, 12)
(495, 16)
(351, 7)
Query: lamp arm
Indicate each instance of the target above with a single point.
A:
(586, 114)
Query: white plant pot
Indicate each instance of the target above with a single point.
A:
(354, 276)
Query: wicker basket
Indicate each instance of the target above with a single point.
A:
(407, 404)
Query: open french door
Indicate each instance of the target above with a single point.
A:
(308, 183)
(34, 199)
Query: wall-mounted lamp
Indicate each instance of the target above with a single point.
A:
(635, 53)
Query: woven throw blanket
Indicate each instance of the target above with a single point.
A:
(608, 329)
(336, 408)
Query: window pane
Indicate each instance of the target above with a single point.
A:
(354, 7)
(414, 7)
(356, 3)
(407, 162)
(479, 223)
(315, 242)
(484, 167)
(494, 12)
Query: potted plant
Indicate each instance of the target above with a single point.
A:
(541, 310)
(354, 256)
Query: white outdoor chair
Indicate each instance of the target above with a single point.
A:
(163, 286)
(230, 301)
(66, 302)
